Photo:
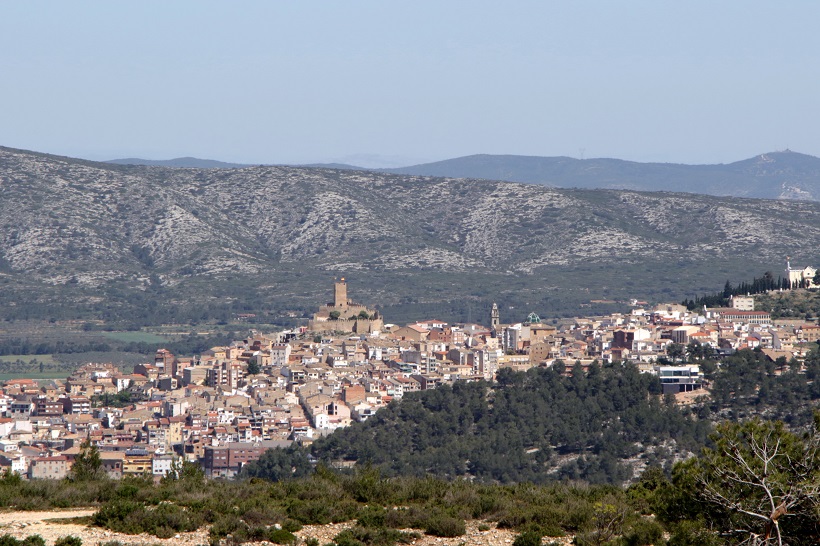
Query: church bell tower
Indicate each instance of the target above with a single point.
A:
(494, 318)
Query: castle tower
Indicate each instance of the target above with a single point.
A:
(340, 296)
(494, 318)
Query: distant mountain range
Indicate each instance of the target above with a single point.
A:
(179, 163)
(775, 175)
(341, 166)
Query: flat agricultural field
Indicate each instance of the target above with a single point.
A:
(48, 374)
(136, 337)
(45, 359)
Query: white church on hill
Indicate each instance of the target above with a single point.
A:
(797, 277)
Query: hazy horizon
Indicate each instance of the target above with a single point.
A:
(402, 84)
(371, 161)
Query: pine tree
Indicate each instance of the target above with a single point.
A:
(88, 464)
(253, 367)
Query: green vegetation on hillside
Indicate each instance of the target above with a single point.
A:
(761, 285)
(540, 426)
(537, 426)
(749, 384)
(803, 304)
(771, 294)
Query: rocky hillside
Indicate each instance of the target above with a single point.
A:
(88, 232)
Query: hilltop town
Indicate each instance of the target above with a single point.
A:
(225, 407)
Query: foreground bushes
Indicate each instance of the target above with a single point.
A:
(48, 494)
(445, 527)
(33, 540)
(257, 510)
(383, 509)
(162, 521)
(361, 536)
(68, 541)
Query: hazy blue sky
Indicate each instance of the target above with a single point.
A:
(267, 82)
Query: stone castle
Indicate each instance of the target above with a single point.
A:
(343, 315)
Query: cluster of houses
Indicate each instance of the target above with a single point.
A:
(222, 409)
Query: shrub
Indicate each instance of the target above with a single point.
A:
(68, 541)
(223, 526)
(368, 485)
(346, 538)
(291, 525)
(372, 516)
(10, 478)
(310, 512)
(644, 533)
(113, 513)
(257, 534)
(545, 530)
(528, 538)
(445, 526)
(130, 517)
(513, 519)
(414, 516)
(344, 510)
(692, 533)
(162, 531)
(264, 515)
(127, 491)
(487, 505)
(280, 536)
(32, 540)
(361, 536)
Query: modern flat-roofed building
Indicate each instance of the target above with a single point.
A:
(675, 379)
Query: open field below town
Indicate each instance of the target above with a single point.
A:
(35, 375)
(53, 349)
(138, 337)
(45, 359)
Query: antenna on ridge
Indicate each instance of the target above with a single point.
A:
(581, 152)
